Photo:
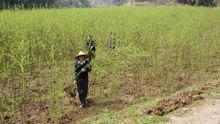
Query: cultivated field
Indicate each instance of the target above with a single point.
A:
(159, 51)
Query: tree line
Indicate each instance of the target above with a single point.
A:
(5, 4)
(207, 3)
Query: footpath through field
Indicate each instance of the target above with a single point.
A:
(208, 113)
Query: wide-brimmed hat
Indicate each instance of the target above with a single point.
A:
(81, 53)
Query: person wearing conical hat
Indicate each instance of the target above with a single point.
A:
(82, 68)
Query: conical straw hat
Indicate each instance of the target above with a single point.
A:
(81, 53)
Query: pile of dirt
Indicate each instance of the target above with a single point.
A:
(206, 113)
(180, 100)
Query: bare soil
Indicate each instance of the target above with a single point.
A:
(208, 113)
(180, 100)
(94, 107)
(34, 111)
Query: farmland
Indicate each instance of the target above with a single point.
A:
(159, 51)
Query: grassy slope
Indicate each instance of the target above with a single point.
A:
(133, 114)
(177, 47)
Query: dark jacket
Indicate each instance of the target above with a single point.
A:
(78, 68)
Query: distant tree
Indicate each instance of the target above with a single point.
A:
(84, 3)
(74, 3)
(25, 3)
(206, 3)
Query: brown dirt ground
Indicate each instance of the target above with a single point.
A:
(206, 113)
(132, 86)
(30, 110)
(180, 100)
(94, 107)
(36, 111)
(124, 98)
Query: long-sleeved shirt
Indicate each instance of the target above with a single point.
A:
(78, 68)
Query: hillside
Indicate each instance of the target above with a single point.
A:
(159, 51)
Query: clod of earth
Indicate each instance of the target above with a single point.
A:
(6, 117)
(180, 100)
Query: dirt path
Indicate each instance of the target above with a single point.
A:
(94, 108)
(208, 113)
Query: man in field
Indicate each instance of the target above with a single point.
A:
(82, 67)
(112, 41)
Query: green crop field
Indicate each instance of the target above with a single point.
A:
(159, 51)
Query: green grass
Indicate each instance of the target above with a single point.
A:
(131, 112)
(178, 47)
(134, 112)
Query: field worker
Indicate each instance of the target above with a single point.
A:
(82, 67)
(112, 41)
(90, 46)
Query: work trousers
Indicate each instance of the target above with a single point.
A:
(82, 87)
